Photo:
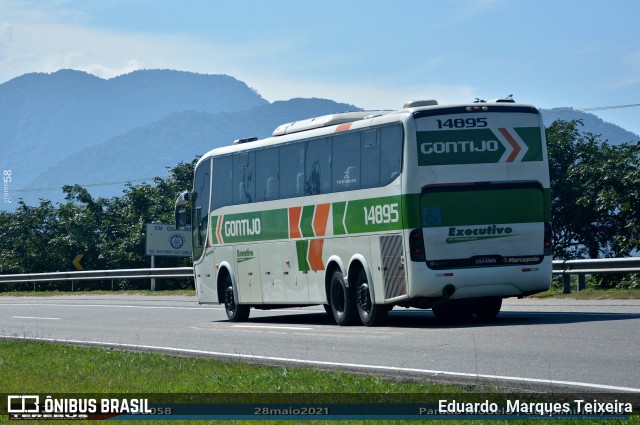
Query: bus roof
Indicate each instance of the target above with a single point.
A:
(322, 125)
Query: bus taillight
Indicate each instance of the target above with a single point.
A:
(416, 245)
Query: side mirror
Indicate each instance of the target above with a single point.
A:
(181, 216)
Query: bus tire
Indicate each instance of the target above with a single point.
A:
(488, 308)
(329, 311)
(235, 312)
(371, 314)
(343, 302)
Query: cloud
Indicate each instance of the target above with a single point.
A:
(110, 72)
(49, 47)
(6, 33)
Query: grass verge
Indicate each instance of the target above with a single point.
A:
(39, 368)
(591, 294)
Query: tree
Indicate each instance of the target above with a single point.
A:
(109, 232)
(595, 193)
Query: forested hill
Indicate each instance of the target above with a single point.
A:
(592, 124)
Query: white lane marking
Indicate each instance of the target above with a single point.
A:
(324, 363)
(37, 318)
(108, 306)
(290, 328)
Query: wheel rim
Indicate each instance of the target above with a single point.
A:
(364, 300)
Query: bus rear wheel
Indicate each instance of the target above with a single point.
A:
(235, 312)
(342, 300)
(370, 313)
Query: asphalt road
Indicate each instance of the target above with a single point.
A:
(551, 344)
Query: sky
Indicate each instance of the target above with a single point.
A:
(374, 54)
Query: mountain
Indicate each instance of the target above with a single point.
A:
(44, 118)
(148, 151)
(612, 133)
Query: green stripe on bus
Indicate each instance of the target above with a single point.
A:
(410, 205)
(255, 226)
(302, 247)
(306, 221)
(477, 207)
(338, 215)
(533, 139)
(478, 146)
(374, 215)
(389, 213)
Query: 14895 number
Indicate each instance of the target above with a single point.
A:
(381, 214)
(463, 123)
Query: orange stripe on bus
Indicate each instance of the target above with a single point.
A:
(294, 222)
(513, 143)
(315, 254)
(320, 219)
(343, 127)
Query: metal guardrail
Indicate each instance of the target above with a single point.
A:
(174, 272)
(152, 274)
(566, 268)
(598, 265)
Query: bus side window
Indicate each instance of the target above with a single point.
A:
(291, 170)
(370, 157)
(345, 162)
(300, 184)
(221, 193)
(244, 182)
(318, 167)
(390, 153)
(271, 189)
(267, 185)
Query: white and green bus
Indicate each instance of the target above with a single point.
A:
(432, 206)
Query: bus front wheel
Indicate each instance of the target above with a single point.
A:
(370, 313)
(342, 300)
(235, 312)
